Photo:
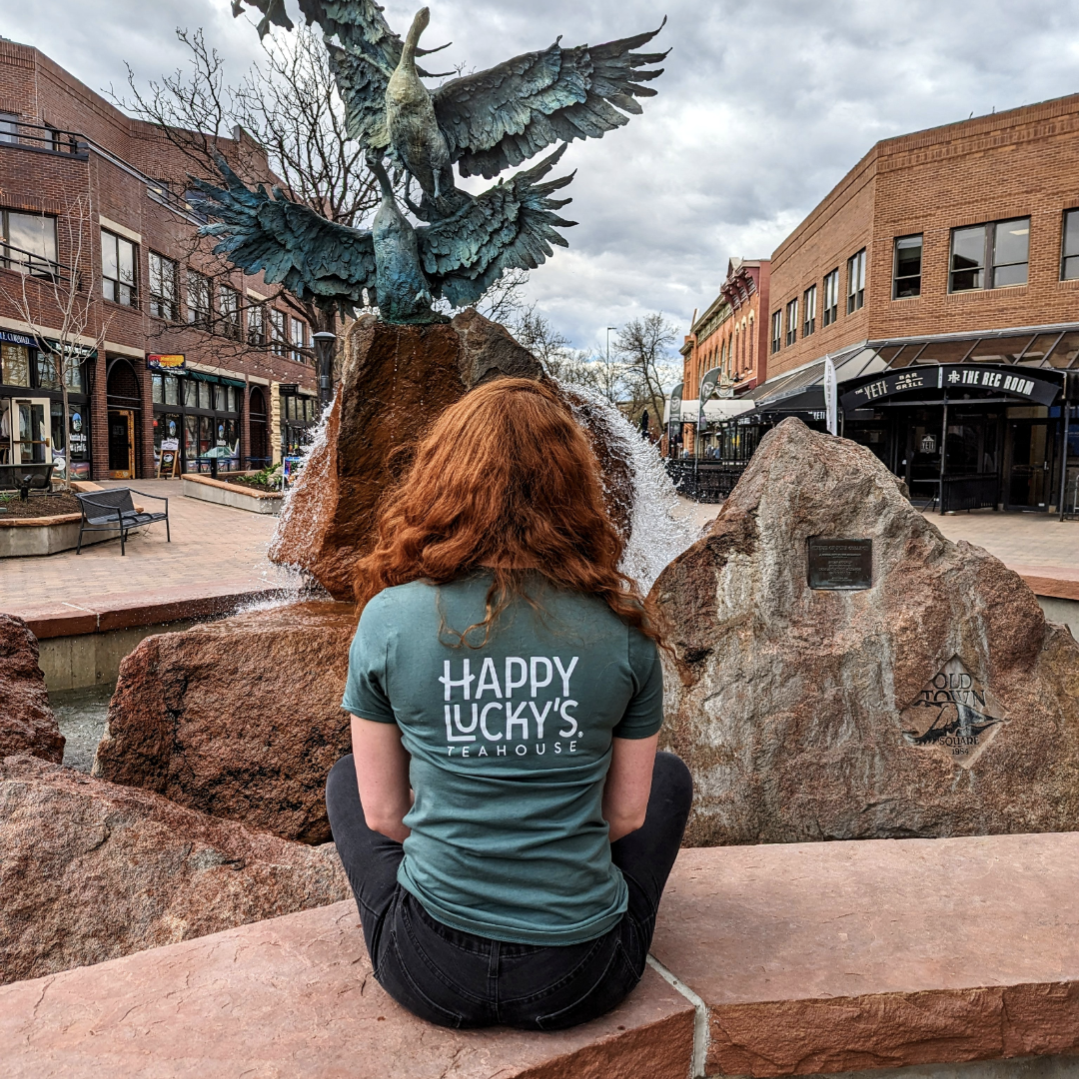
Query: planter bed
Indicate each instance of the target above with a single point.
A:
(25, 537)
(236, 495)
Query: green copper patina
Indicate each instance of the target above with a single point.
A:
(482, 123)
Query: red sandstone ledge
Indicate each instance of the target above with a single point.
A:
(135, 609)
(829, 957)
(294, 998)
(806, 958)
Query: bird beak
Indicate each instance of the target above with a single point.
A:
(421, 21)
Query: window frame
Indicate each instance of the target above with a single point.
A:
(256, 325)
(231, 316)
(896, 278)
(777, 329)
(199, 315)
(1064, 256)
(856, 281)
(117, 283)
(989, 266)
(52, 264)
(809, 311)
(162, 305)
(296, 345)
(278, 331)
(792, 322)
(830, 314)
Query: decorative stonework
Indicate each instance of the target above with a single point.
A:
(955, 715)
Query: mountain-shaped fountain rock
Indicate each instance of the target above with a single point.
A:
(92, 871)
(911, 688)
(27, 723)
(394, 381)
(240, 718)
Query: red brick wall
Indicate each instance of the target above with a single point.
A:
(38, 91)
(1012, 164)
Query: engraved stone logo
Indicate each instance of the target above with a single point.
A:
(955, 715)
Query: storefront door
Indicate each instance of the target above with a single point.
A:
(121, 444)
(33, 444)
(1028, 482)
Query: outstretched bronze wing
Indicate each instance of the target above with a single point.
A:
(510, 226)
(500, 117)
(317, 260)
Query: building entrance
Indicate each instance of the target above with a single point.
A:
(1028, 485)
(31, 430)
(121, 444)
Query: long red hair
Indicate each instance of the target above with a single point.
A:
(505, 480)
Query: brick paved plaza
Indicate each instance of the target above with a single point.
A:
(214, 550)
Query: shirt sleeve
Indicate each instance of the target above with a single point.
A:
(365, 690)
(644, 713)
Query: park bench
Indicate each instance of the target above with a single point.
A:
(113, 509)
(23, 477)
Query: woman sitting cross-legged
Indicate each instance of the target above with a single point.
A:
(504, 818)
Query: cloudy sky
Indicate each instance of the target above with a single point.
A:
(764, 105)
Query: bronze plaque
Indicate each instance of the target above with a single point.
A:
(840, 564)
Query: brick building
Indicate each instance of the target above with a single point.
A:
(730, 341)
(89, 202)
(941, 278)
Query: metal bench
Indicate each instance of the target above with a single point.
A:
(22, 477)
(103, 511)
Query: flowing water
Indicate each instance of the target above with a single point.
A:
(81, 714)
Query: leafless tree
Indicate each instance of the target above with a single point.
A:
(56, 302)
(644, 346)
(285, 111)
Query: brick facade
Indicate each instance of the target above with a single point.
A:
(1020, 163)
(117, 167)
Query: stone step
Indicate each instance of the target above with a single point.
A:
(805, 959)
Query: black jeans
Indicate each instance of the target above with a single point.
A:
(457, 979)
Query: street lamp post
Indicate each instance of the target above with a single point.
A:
(324, 341)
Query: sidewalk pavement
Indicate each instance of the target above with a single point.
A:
(216, 551)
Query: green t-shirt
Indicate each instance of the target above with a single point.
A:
(510, 746)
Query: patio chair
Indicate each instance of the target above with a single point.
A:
(104, 511)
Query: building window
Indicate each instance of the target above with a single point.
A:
(198, 299)
(1011, 252)
(29, 243)
(164, 302)
(907, 272)
(831, 297)
(856, 282)
(1069, 247)
(792, 321)
(9, 127)
(1004, 245)
(256, 326)
(278, 341)
(777, 330)
(809, 314)
(298, 328)
(228, 303)
(118, 260)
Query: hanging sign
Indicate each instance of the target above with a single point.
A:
(960, 376)
(161, 361)
(830, 390)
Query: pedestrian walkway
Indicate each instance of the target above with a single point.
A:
(215, 550)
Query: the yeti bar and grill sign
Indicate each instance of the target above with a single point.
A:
(1014, 382)
(955, 715)
(840, 565)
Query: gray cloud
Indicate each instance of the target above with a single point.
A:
(764, 105)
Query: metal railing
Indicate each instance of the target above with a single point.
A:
(22, 261)
(977, 492)
(41, 137)
(704, 480)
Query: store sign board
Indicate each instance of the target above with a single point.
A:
(17, 339)
(1013, 381)
(169, 362)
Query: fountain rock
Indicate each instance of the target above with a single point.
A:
(27, 724)
(92, 871)
(394, 381)
(937, 702)
(239, 718)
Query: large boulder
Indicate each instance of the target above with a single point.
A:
(27, 724)
(240, 718)
(936, 702)
(90, 871)
(394, 381)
